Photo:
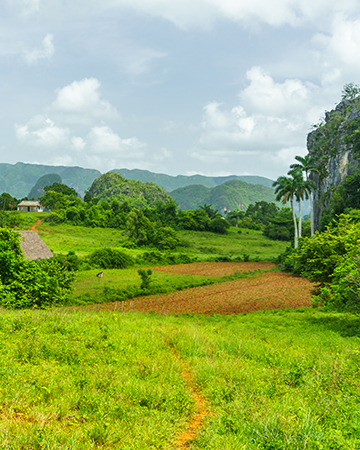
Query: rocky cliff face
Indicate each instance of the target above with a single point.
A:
(335, 148)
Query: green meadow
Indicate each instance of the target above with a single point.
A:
(204, 246)
(73, 379)
(78, 378)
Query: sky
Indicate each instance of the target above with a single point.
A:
(212, 87)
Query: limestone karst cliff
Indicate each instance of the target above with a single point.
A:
(334, 146)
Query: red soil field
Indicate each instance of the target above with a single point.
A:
(268, 290)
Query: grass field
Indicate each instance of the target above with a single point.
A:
(110, 380)
(202, 245)
(84, 377)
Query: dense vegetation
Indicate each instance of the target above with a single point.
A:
(170, 183)
(229, 196)
(330, 257)
(111, 186)
(25, 284)
(18, 179)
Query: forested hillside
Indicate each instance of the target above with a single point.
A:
(170, 183)
(18, 179)
(229, 196)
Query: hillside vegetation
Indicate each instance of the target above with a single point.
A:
(229, 196)
(111, 186)
(18, 179)
(170, 183)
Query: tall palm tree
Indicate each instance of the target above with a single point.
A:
(305, 187)
(307, 165)
(285, 190)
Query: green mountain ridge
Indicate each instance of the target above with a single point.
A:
(21, 179)
(170, 183)
(229, 196)
(18, 179)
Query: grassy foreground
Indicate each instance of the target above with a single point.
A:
(111, 380)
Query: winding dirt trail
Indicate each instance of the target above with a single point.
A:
(36, 224)
(201, 409)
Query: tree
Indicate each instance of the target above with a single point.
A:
(285, 190)
(350, 91)
(234, 216)
(303, 191)
(58, 195)
(139, 228)
(7, 202)
(308, 165)
(211, 212)
(262, 211)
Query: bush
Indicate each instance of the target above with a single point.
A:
(331, 259)
(25, 284)
(145, 278)
(219, 225)
(70, 261)
(109, 258)
(165, 238)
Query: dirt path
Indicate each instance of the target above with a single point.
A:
(201, 409)
(36, 224)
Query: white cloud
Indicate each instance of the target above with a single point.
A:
(28, 7)
(42, 132)
(78, 143)
(45, 52)
(81, 101)
(268, 124)
(137, 61)
(103, 140)
(204, 13)
(339, 48)
(266, 96)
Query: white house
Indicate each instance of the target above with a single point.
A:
(30, 206)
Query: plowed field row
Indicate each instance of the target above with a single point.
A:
(268, 290)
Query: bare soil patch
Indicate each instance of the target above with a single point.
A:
(215, 269)
(267, 290)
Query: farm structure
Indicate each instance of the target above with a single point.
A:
(30, 206)
(33, 246)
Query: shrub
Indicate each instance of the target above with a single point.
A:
(219, 225)
(145, 278)
(109, 258)
(165, 238)
(25, 284)
(331, 259)
(70, 261)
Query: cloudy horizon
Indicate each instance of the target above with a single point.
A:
(214, 87)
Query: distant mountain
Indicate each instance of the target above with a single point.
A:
(229, 196)
(170, 183)
(46, 180)
(112, 185)
(18, 179)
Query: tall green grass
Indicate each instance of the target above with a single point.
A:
(111, 380)
(204, 246)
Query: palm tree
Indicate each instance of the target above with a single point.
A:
(303, 191)
(236, 215)
(285, 190)
(306, 164)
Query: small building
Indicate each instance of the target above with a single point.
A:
(30, 206)
(33, 246)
